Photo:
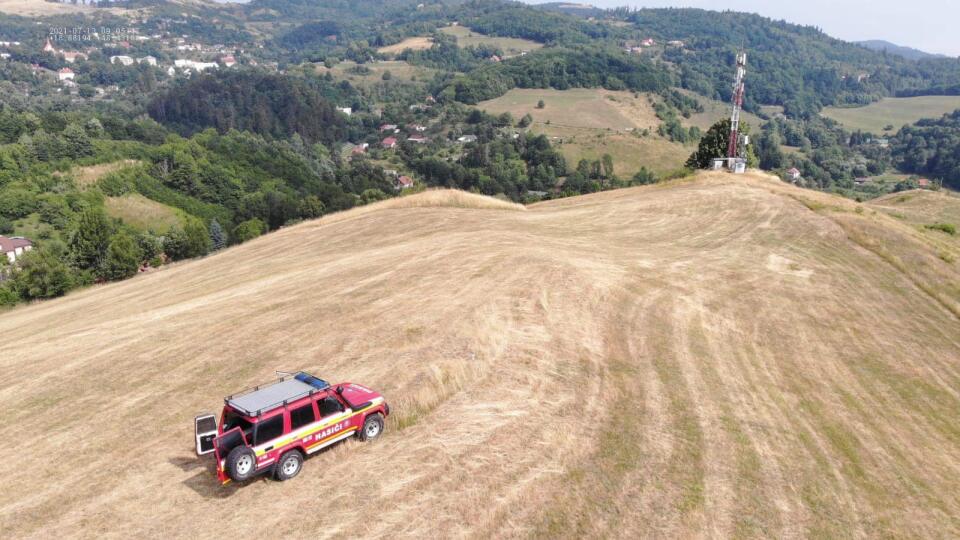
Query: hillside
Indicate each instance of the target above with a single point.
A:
(710, 357)
(907, 52)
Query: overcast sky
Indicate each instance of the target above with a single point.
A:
(929, 25)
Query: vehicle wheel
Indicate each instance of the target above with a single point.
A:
(241, 463)
(289, 465)
(372, 427)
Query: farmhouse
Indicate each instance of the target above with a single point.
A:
(149, 60)
(388, 127)
(65, 74)
(121, 59)
(794, 173)
(228, 61)
(417, 139)
(467, 139)
(403, 182)
(923, 182)
(389, 142)
(14, 246)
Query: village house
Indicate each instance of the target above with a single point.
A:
(649, 42)
(403, 182)
(861, 180)
(389, 142)
(388, 127)
(229, 61)
(417, 127)
(72, 56)
(65, 74)
(793, 174)
(467, 139)
(48, 47)
(122, 59)
(418, 139)
(14, 247)
(923, 183)
(345, 110)
(676, 43)
(149, 60)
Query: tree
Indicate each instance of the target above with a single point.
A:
(77, 142)
(311, 207)
(248, 230)
(198, 239)
(607, 165)
(541, 104)
(643, 177)
(41, 273)
(218, 239)
(123, 257)
(175, 244)
(714, 144)
(90, 240)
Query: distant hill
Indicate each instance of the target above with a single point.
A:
(907, 52)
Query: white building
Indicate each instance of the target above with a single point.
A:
(148, 60)
(345, 110)
(121, 59)
(14, 247)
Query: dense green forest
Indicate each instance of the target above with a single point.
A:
(932, 148)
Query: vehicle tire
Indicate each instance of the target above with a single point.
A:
(372, 427)
(289, 465)
(241, 463)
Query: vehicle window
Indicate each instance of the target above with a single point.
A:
(231, 420)
(268, 429)
(302, 416)
(329, 405)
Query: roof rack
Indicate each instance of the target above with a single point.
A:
(288, 388)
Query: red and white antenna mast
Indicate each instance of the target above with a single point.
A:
(733, 149)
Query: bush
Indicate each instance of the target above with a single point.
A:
(41, 273)
(948, 228)
(123, 258)
(248, 230)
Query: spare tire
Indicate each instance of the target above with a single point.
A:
(241, 463)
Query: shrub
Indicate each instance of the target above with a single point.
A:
(123, 258)
(948, 228)
(248, 230)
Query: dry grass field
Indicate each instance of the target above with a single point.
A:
(895, 112)
(143, 213)
(86, 177)
(399, 71)
(712, 357)
(586, 123)
(415, 43)
(510, 46)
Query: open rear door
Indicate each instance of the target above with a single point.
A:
(205, 429)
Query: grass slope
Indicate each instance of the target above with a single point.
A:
(897, 112)
(720, 356)
(510, 46)
(143, 213)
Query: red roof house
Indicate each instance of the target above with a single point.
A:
(389, 142)
(923, 182)
(403, 182)
(14, 247)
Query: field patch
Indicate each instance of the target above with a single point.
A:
(469, 38)
(895, 112)
(372, 72)
(143, 213)
(417, 43)
(585, 123)
(85, 177)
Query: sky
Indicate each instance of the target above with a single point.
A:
(928, 25)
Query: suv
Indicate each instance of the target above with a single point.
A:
(272, 427)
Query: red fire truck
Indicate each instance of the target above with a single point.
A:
(273, 427)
